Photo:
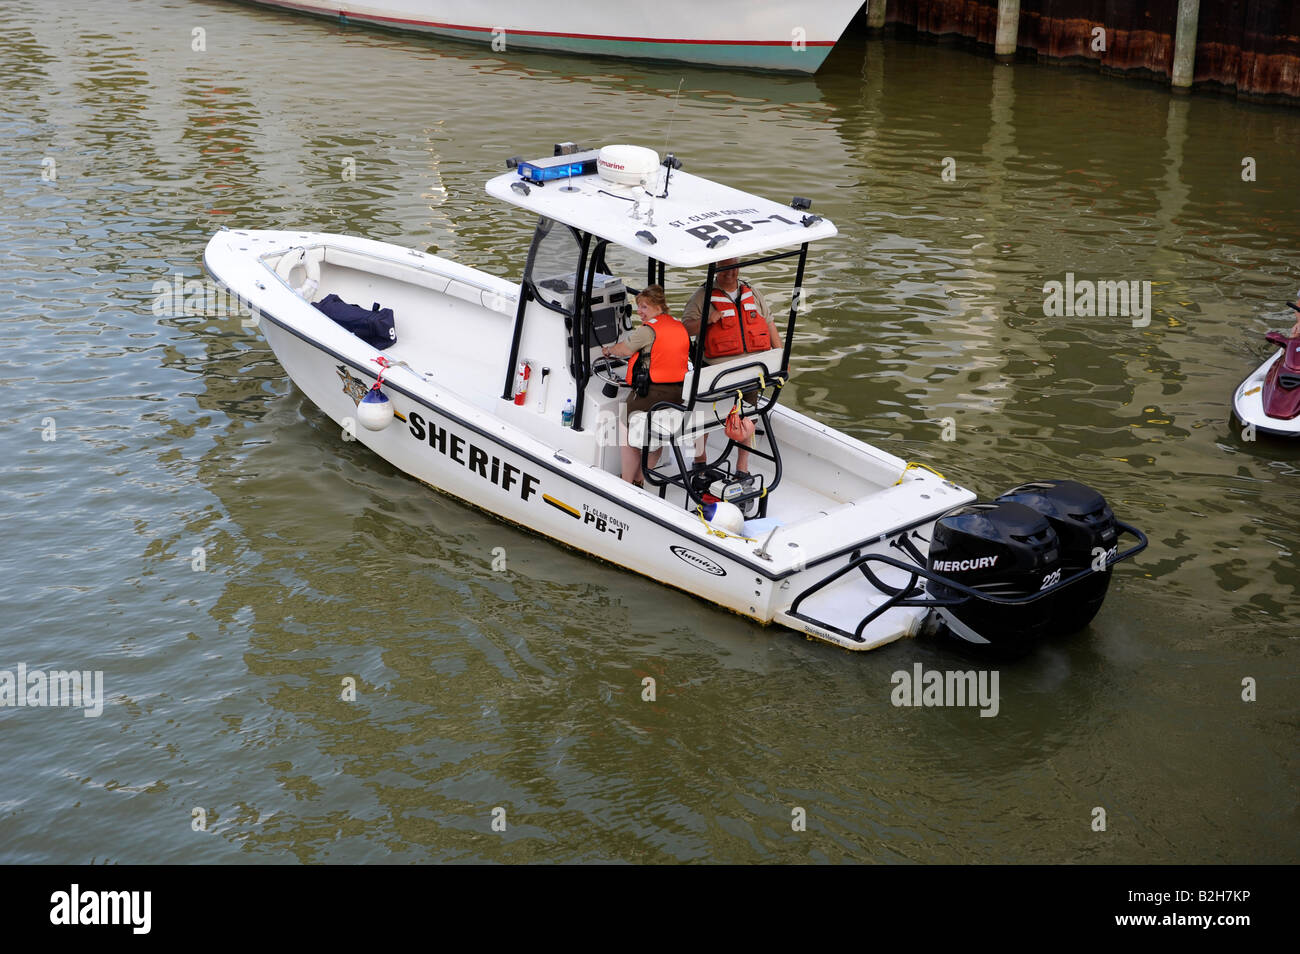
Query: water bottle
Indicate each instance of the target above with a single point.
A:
(566, 416)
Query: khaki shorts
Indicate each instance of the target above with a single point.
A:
(657, 393)
(667, 422)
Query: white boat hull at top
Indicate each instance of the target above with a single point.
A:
(750, 34)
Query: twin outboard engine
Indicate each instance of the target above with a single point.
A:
(1025, 542)
(1085, 528)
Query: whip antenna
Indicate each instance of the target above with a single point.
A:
(677, 97)
(671, 162)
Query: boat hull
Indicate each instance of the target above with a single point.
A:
(441, 446)
(737, 34)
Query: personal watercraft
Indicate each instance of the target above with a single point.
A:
(1269, 400)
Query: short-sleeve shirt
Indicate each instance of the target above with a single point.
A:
(640, 339)
(695, 307)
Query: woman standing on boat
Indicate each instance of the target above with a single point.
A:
(661, 342)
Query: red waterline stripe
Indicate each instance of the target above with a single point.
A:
(371, 17)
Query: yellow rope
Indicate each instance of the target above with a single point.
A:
(915, 464)
(717, 532)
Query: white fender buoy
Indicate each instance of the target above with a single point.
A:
(291, 260)
(375, 411)
(725, 516)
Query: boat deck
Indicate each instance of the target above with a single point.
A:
(453, 324)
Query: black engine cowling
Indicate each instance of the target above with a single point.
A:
(1029, 539)
(1085, 527)
(1004, 549)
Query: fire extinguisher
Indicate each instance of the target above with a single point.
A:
(521, 382)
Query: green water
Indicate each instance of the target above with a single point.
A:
(523, 690)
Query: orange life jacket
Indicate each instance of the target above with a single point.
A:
(668, 354)
(729, 336)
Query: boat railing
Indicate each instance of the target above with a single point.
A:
(768, 387)
(913, 592)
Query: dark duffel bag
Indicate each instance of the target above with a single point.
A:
(374, 327)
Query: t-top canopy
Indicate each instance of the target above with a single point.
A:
(699, 222)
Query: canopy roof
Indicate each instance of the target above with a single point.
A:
(696, 211)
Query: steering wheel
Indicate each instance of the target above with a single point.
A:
(604, 368)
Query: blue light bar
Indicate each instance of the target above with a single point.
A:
(558, 167)
(533, 174)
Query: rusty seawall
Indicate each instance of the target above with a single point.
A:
(1250, 48)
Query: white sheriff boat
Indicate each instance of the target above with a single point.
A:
(497, 393)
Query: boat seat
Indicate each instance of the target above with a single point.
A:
(734, 373)
(1290, 349)
(373, 265)
(501, 297)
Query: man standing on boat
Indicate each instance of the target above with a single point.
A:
(739, 323)
(664, 346)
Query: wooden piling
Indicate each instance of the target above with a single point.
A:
(1185, 45)
(1004, 46)
(875, 15)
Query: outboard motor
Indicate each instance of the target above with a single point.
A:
(1004, 549)
(1085, 527)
